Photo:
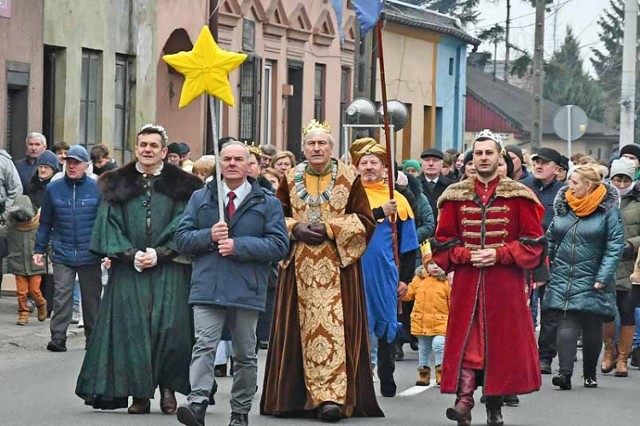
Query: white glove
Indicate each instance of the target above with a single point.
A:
(136, 263)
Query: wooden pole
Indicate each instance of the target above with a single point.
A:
(387, 137)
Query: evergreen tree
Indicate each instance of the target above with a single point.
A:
(566, 83)
(607, 64)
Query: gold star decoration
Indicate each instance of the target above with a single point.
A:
(205, 68)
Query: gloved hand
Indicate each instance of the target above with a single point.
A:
(321, 229)
(628, 252)
(306, 234)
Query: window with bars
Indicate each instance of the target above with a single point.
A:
(318, 93)
(249, 106)
(122, 117)
(90, 84)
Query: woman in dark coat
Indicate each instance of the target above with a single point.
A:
(586, 239)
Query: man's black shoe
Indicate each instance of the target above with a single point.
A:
(220, 370)
(330, 412)
(562, 380)
(590, 381)
(56, 347)
(545, 367)
(192, 414)
(239, 419)
(511, 400)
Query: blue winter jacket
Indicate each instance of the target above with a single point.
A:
(584, 251)
(259, 234)
(69, 208)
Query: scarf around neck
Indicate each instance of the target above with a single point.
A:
(585, 206)
(378, 195)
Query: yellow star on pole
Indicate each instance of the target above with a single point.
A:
(206, 68)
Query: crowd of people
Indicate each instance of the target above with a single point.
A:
(315, 261)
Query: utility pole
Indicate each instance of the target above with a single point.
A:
(506, 42)
(538, 77)
(628, 89)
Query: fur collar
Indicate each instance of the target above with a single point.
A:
(466, 190)
(611, 200)
(121, 185)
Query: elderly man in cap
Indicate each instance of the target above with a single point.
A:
(489, 235)
(433, 183)
(68, 212)
(545, 185)
(174, 153)
(319, 358)
(384, 281)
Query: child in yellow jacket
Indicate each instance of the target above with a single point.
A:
(429, 317)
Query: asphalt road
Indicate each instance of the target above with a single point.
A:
(37, 388)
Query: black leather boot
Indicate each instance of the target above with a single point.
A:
(494, 411)
(192, 414)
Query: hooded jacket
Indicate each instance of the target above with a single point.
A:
(583, 251)
(20, 229)
(10, 182)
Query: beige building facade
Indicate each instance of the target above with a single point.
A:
(21, 59)
(100, 71)
(296, 70)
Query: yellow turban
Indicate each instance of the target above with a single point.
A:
(365, 146)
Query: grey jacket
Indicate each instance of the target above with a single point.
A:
(10, 185)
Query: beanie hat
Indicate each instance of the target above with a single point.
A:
(411, 163)
(632, 149)
(48, 158)
(623, 166)
(515, 150)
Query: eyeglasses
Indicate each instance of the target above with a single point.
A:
(622, 179)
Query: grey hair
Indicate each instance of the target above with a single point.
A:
(38, 135)
(235, 143)
(314, 132)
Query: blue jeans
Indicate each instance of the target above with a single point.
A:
(427, 345)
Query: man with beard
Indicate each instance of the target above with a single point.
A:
(384, 281)
(489, 234)
(143, 334)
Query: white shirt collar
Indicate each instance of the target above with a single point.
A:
(156, 173)
(241, 192)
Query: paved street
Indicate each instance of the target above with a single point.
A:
(37, 388)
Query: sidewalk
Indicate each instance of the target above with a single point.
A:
(8, 285)
(34, 335)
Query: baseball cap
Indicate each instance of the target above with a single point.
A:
(548, 154)
(77, 152)
(432, 152)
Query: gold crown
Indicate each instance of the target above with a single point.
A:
(316, 125)
(253, 149)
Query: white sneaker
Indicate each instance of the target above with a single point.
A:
(75, 317)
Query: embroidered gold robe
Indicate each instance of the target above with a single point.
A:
(319, 349)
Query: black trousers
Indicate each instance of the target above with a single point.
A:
(386, 366)
(626, 304)
(571, 322)
(549, 320)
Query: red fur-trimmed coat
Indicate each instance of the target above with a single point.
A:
(509, 220)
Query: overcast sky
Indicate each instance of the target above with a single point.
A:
(581, 15)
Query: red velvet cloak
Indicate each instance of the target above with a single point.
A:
(510, 222)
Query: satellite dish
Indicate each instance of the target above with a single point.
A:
(361, 111)
(398, 114)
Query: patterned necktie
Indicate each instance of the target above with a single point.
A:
(231, 207)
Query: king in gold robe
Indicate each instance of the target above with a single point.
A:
(319, 350)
